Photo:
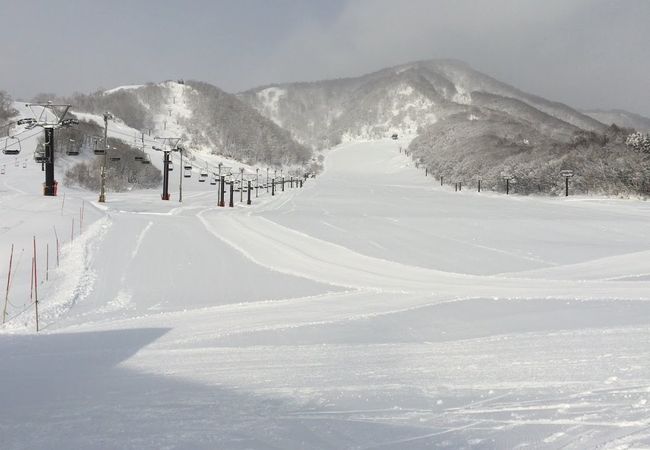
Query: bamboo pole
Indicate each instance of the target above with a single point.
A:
(4, 309)
(83, 214)
(56, 236)
(31, 283)
(35, 286)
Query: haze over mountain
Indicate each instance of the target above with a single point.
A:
(621, 118)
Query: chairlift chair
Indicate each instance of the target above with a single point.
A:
(39, 157)
(146, 159)
(25, 164)
(170, 167)
(12, 146)
(114, 158)
(2, 170)
(97, 149)
(204, 174)
(71, 150)
(139, 158)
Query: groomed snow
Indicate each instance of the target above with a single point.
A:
(370, 309)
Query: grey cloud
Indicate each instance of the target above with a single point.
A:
(588, 53)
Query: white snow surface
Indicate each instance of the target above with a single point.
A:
(270, 98)
(370, 309)
(128, 87)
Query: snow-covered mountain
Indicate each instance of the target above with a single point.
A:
(621, 118)
(210, 121)
(404, 99)
(462, 125)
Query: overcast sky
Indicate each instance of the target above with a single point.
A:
(587, 53)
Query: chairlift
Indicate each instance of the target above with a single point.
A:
(204, 174)
(12, 146)
(146, 159)
(213, 181)
(71, 150)
(114, 158)
(139, 158)
(170, 167)
(2, 170)
(187, 171)
(201, 180)
(26, 121)
(25, 164)
(39, 157)
(97, 150)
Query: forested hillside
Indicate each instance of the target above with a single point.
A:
(207, 119)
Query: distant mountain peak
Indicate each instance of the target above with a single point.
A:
(403, 98)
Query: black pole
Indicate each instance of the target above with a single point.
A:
(248, 202)
(426, 171)
(232, 194)
(460, 185)
(301, 183)
(455, 187)
(441, 179)
(165, 192)
(566, 186)
(479, 185)
(50, 183)
(282, 184)
(273, 186)
(507, 186)
(222, 191)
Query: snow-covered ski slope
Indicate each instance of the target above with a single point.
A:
(370, 309)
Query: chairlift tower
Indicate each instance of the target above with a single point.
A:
(169, 144)
(50, 117)
(102, 182)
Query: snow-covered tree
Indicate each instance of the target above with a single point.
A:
(6, 110)
(639, 142)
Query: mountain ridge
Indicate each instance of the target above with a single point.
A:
(420, 93)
